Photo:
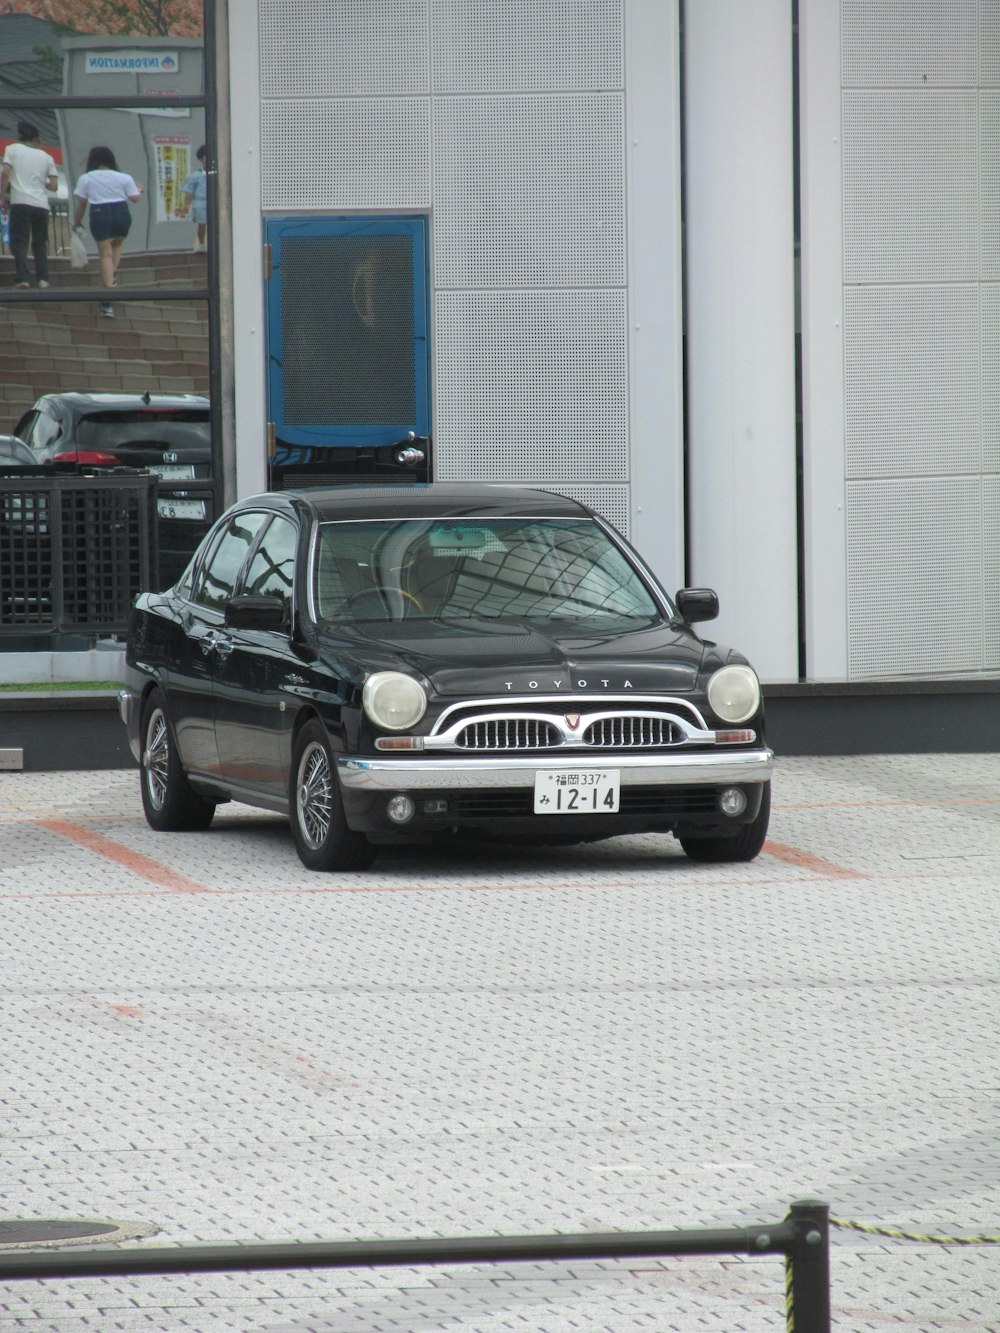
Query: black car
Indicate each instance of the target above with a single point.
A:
(167, 433)
(391, 664)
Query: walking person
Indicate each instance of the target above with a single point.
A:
(109, 192)
(196, 200)
(28, 172)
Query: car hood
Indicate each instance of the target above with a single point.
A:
(492, 660)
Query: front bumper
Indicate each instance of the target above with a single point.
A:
(408, 774)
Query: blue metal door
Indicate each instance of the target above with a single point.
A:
(347, 321)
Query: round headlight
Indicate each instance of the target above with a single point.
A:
(734, 693)
(394, 701)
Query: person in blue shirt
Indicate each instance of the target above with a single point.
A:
(196, 200)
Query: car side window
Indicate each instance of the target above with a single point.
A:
(45, 430)
(272, 568)
(218, 578)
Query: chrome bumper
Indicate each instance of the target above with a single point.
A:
(646, 770)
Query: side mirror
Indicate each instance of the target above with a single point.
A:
(696, 604)
(256, 613)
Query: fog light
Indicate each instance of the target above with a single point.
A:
(733, 801)
(400, 809)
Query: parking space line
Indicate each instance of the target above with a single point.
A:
(143, 866)
(806, 861)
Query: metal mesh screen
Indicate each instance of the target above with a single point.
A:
(893, 43)
(347, 330)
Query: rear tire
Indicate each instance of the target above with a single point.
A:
(743, 846)
(170, 803)
(316, 811)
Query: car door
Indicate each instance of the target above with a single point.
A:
(202, 645)
(252, 669)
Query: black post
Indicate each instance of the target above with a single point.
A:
(808, 1284)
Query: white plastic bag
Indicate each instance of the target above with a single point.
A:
(77, 251)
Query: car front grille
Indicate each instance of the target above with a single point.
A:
(631, 733)
(515, 733)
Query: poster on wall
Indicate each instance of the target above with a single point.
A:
(173, 158)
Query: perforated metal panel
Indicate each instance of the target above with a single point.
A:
(527, 46)
(347, 330)
(991, 572)
(989, 174)
(911, 185)
(611, 502)
(915, 566)
(339, 48)
(911, 359)
(364, 153)
(989, 43)
(893, 43)
(531, 386)
(990, 342)
(529, 190)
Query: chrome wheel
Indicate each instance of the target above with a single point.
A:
(314, 795)
(156, 757)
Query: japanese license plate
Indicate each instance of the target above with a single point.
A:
(583, 792)
(172, 469)
(180, 508)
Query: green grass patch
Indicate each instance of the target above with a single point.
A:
(58, 686)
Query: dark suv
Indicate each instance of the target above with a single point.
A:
(168, 433)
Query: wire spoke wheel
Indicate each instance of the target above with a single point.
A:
(169, 802)
(314, 796)
(156, 757)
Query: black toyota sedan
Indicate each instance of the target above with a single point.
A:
(383, 665)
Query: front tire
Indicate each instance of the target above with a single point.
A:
(743, 846)
(170, 803)
(319, 825)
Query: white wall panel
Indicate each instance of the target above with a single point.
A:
(989, 295)
(532, 386)
(915, 563)
(740, 323)
(991, 573)
(340, 48)
(910, 43)
(529, 191)
(911, 185)
(912, 382)
(366, 153)
(989, 182)
(519, 46)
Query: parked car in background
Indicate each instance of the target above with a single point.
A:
(392, 664)
(168, 433)
(15, 453)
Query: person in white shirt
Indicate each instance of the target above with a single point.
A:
(30, 175)
(109, 192)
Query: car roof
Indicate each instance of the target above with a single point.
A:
(436, 500)
(126, 402)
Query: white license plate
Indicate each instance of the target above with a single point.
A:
(583, 792)
(185, 470)
(180, 508)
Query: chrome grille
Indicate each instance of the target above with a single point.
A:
(515, 733)
(631, 733)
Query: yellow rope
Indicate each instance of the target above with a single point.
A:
(894, 1234)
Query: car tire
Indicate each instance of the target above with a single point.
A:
(742, 846)
(170, 803)
(316, 811)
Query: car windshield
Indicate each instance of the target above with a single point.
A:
(539, 570)
(182, 429)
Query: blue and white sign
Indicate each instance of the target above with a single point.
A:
(131, 62)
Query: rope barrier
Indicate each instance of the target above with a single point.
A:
(894, 1234)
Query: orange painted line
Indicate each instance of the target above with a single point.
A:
(143, 866)
(806, 861)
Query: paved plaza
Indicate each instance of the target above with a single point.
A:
(206, 1042)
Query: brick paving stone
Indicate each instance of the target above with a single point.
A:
(471, 1041)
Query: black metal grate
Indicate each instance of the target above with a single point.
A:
(75, 550)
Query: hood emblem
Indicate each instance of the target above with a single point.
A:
(572, 720)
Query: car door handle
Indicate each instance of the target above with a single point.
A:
(214, 642)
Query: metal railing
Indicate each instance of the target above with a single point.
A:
(803, 1237)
